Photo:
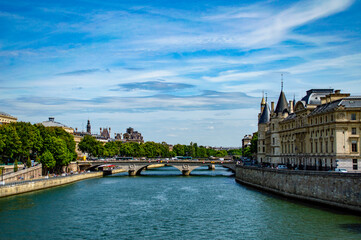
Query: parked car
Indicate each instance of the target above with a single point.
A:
(340, 170)
(282, 167)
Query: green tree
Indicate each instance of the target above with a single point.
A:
(88, 144)
(11, 144)
(150, 150)
(16, 166)
(111, 149)
(179, 150)
(29, 136)
(202, 152)
(28, 162)
(254, 141)
(47, 160)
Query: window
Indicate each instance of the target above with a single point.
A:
(331, 118)
(321, 147)
(355, 165)
(326, 119)
(332, 148)
(353, 116)
(311, 147)
(353, 131)
(326, 144)
(354, 146)
(316, 150)
(263, 149)
(273, 141)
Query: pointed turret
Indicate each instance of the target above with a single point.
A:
(263, 102)
(265, 116)
(281, 104)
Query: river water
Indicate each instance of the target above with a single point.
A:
(162, 204)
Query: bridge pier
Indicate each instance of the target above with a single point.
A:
(211, 167)
(186, 172)
(132, 172)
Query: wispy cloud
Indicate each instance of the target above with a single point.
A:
(173, 65)
(81, 72)
(155, 86)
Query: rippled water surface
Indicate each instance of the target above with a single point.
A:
(162, 204)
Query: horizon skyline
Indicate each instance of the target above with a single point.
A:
(177, 72)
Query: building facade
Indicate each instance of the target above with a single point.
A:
(246, 141)
(52, 123)
(6, 118)
(133, 136)
(319, 132)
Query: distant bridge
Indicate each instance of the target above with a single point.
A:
(135, 167)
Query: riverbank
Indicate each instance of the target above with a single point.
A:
(16, 188)
(30, 186)
(341, 190)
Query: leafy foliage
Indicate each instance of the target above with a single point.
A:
(48, 160)
(23, 141)
(251, 150)
(149, 149)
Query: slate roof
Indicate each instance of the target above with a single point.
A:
(313, 96)
(347, 102)
(265, 116)
(281, 104)
(290, 117)
(5, 114)
(52, 123)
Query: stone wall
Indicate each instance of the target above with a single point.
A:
(23, 174)
(10, 168)
(18, 188)
(330, 188)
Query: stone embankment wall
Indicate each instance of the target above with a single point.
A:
(23, 174)
(329, 188)
(18, 188)
(10, 168)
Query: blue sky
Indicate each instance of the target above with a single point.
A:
(177, 71)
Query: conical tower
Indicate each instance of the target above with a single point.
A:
(282, 104)
(265, 115)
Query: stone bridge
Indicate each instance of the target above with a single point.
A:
(134, 167)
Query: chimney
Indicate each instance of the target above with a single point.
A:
(291, 106)
(51, 119)
(337, 91)
(76, 129)
(272, 107)
(100, 130)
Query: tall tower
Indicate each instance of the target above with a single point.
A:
(88, 128)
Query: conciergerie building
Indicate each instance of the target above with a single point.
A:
(319, 132)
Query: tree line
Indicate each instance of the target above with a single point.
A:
(148, 149)
(52, 146)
